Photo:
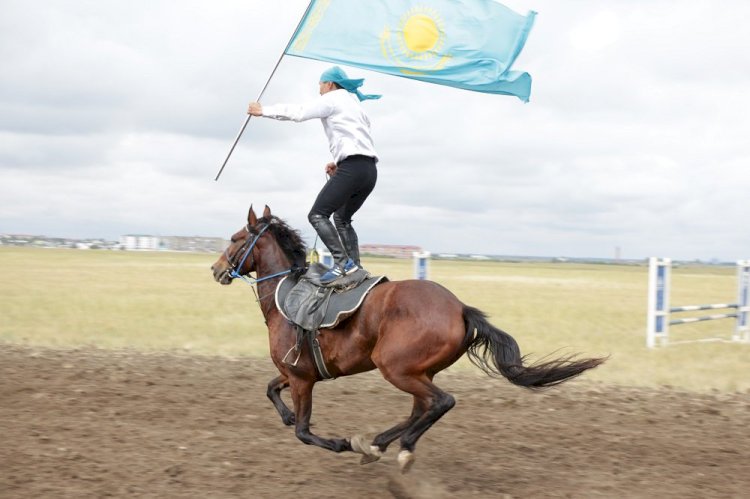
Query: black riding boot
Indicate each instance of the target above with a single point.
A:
(330, 237)
(342, 263)
(348, 237)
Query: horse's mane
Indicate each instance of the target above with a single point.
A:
(289, 240)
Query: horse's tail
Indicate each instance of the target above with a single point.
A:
(497, 353)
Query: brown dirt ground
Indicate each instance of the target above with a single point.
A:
(95, 423)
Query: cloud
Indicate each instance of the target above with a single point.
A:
(115, 118)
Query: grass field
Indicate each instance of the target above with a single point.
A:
(169, 301)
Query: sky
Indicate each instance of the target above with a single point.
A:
(116, 116)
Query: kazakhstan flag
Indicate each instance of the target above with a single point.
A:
(469, 44)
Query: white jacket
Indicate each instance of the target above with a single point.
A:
(344, 121)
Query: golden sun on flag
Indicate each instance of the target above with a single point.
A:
(416, 44)
(422, 33)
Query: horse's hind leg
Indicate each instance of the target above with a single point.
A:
(383, 440)
(275, 386)
(302, 397)
(436, 403)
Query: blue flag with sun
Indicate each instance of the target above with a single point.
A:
(469, 44)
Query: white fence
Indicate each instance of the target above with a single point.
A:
(658, 316)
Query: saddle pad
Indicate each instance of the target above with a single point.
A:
(313, 307)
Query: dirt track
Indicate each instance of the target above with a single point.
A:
(94, 423)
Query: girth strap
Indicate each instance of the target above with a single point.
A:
(320, 364)
(317, 354)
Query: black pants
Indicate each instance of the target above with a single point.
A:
(346, 191)
(342, 196)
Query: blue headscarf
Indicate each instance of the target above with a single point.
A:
(337, 76)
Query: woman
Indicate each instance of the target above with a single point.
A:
(353, 170)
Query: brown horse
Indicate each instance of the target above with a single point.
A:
(410, 330)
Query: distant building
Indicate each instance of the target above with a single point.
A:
(447, 255)
(394, 251)
(138, 242)
(55, 242)
(479, 257)
(133, 242)
(194, 243)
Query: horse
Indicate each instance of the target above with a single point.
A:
(410, 330)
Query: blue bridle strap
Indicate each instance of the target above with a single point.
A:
(235, 274)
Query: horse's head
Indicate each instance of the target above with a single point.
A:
(238, 259)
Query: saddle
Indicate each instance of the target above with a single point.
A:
(308, 305)
(311, 306)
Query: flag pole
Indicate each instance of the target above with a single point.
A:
(260, 95)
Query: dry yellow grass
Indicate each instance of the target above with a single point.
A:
(168, 301)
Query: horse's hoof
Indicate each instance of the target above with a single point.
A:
(368, 459)
(359, 445)
(405, 460)
(374, 454)
(370, 453)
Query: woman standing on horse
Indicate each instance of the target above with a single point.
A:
(353, 171)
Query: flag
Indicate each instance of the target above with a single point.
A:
(469, 44)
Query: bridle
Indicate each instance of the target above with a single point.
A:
(247, 251)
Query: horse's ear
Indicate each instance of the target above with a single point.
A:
(252, 218)
(267, 212)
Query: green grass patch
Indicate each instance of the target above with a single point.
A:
(169, 301)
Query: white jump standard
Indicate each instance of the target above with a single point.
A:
(659, 271)
(421, 264)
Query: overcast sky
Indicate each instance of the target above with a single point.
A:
(115, 117)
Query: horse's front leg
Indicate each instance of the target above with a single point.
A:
(302, 398)
(275, 386)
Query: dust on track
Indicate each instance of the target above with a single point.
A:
(96, 423)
